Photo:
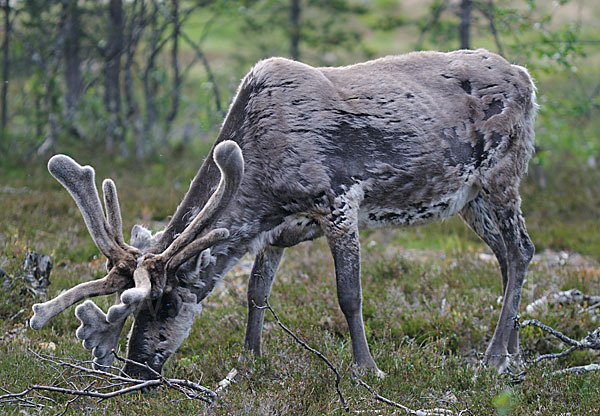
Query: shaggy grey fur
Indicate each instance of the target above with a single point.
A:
(400, 140)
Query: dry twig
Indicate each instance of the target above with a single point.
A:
(103, 384)
(338, 378)
(590, 342)
(420, 412)
(433, 412)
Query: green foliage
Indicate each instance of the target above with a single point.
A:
(504, 402)
(533, 36)
(430, 302)
(329, 32)
(233, 34)
(568, 120)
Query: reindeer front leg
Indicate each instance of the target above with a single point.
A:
(259, 287)
(345, 248)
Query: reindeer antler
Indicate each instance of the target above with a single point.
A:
(105, 231)
(156, 267)
(98, 331)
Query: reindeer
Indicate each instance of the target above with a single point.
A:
(308, 152)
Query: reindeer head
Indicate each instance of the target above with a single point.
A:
(157, 277)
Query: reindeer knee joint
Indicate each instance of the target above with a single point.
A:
(350, 303)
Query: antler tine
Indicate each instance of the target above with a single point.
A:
(194, 197)
(108, 236)
(152, 269)
(131, 297)
(79, 181)
(228, 158)
(43, 312)
(113, 212)
(196, 247)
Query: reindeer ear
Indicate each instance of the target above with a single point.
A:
(196, 247)
(190, 270)
(205, 259)
(141, 237)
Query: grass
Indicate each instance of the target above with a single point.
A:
(430, 307)
(430, 301)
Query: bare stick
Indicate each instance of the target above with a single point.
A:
(103, 385)
(579, 369)
(338, 378)
(229, 378)
(433, 412)
(555, 355)
(378, 397)
(590, 342)
(169, 381)
(551, 331)
(68, 403)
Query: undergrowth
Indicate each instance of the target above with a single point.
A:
(430, 307)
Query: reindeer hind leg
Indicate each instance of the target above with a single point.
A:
(506, 210)
(476, 214)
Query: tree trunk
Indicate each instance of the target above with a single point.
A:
(112, 72)
(211, 77)
(490, 13)
(5, 65)
(175, 65)
(135, 29)
(295, 11)
(52, 89)
(465, 23)
(72, 58)
(155, 45)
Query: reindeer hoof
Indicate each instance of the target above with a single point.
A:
(362, 371)
(498, 361)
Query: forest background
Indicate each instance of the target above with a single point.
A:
(138, 89)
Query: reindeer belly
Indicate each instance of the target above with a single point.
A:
(400, 213)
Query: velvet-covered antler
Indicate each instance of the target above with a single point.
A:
(105, 231)
(155, 268)
(148, 273)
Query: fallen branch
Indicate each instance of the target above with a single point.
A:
(338, 378)
(582, 369)
(229, 378)
(433, 412)
(571, 296)
(106, 384)
(421, 412)
(590, 342)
